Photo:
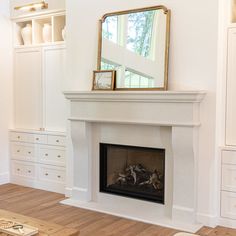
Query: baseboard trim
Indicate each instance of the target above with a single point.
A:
(207, 220)
(183, 213)
(43, 185)
(230, 223)
(68, 192)
(80, 194)
(4, 178)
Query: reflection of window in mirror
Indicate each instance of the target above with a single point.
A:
(135, 80)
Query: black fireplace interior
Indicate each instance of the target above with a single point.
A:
(136, 172)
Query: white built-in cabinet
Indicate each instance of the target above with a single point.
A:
(56, 20)
(231, 89)
(38, 139)
(54, 103)
(39, 79)
(228, 147)
(28, 88)
(38, 159)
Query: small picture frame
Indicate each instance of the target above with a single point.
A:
(104, 79)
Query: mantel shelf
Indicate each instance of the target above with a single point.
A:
(137, 96)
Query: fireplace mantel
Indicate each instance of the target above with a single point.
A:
(163, 108)
(177, 111)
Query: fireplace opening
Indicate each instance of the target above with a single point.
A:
(136, 172)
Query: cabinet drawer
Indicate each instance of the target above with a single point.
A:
(56, 140)
(228, 205)
(27, 137)
(24, 169)
(20, 137)
(54, 174)
(38, 138)
(229, 157)
(52, 155)
(229, 177)
(23, 152)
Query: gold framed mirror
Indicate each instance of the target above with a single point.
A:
(135, 43)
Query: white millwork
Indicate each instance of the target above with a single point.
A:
(39, 78)
(54, 61)
(167, 120)
(39, 74)
(27, 88)
(226, 145)
(38, 159)
(46, 29)
(37, 152)
(231, 89)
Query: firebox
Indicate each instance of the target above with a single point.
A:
(131, 171)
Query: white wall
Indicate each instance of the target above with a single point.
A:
(193, 65)
(5, 88)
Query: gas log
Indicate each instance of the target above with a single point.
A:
(137, 175)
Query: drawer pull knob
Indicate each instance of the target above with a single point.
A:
(18, 169)
(46, 154)
(29, 152)
(29, 171)
(59, 176)
(18, 137)
(59, 156)
(37, 139)
(57, 141)
(18, 150)
(46, 174)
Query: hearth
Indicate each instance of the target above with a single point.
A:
(131, 171)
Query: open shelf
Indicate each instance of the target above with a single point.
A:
(38, 30)
(55, 25)
(18, 27)
(59, 23)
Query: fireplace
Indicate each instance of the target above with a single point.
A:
(131, 171)
(168, 120)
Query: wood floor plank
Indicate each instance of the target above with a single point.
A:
(45, 206)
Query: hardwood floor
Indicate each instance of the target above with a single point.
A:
(45, 206)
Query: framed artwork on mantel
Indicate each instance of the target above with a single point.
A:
(104, 80)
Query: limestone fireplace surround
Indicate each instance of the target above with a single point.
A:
(160, 119)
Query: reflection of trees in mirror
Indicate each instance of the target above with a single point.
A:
(140, 29)
(110, 28)
(138, 35)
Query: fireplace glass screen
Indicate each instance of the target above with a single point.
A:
(136, 172)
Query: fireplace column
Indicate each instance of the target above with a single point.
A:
(184, 147)
(81, 164)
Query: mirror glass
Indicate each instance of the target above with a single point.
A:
(135, 43)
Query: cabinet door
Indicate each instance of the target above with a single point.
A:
(28, 87)
(54, 77)
(231, 90)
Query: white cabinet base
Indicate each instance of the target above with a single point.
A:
(38, 160)
(47, 186)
